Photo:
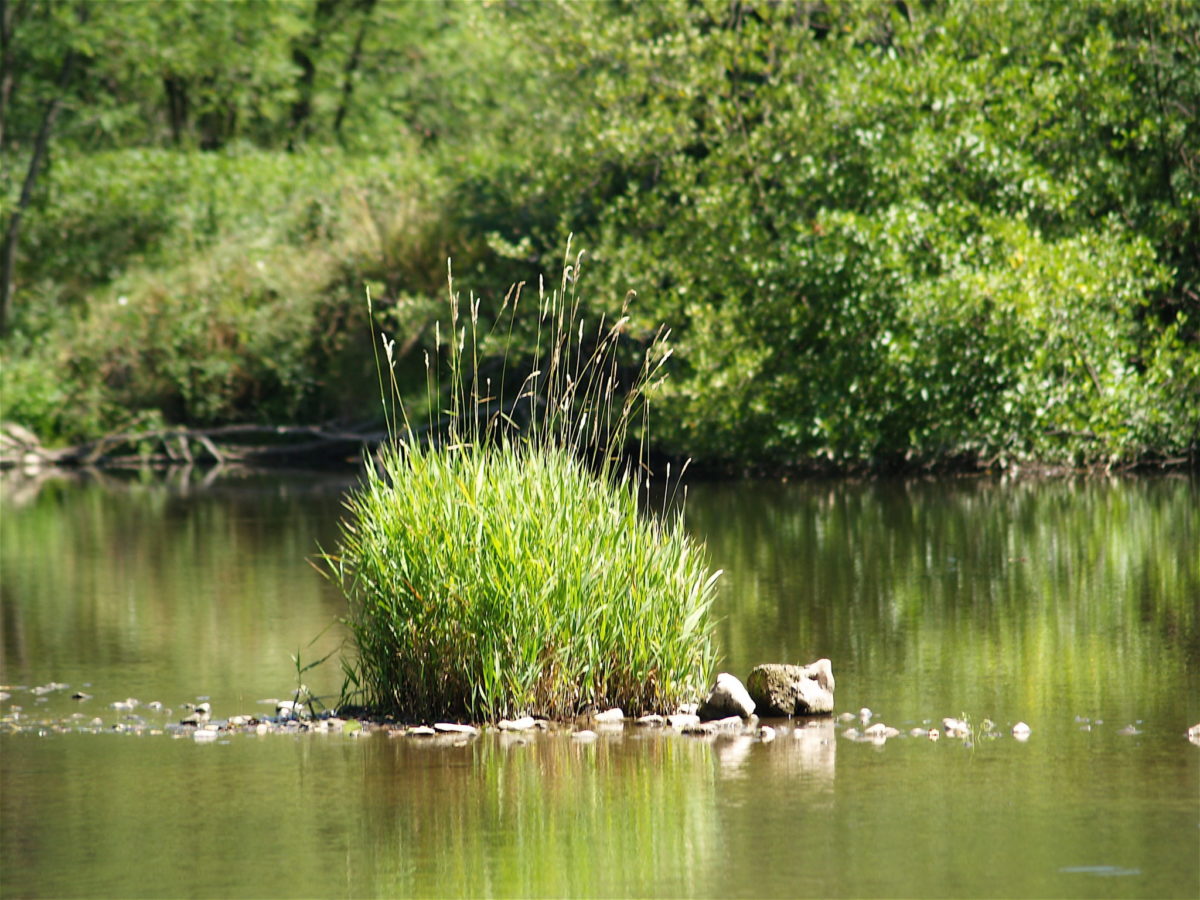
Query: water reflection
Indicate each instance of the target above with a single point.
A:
(166, 588)
(935, 598)
(630, 813)
(522, 819)
(1061, 604)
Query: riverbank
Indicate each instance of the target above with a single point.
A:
(322, 445)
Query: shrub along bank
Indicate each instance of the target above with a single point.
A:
(884, 233)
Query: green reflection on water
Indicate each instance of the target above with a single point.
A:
(939, 597)
(556, 817)
(1041, 601)
(167, 589)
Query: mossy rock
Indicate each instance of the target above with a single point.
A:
(779, 689)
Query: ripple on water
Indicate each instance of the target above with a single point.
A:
(1100, 871)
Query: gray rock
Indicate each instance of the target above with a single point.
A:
(455, 728)
(288, 709)
(784, 690)
(712, 726)
(683, 720)
(880, 732)
(961, 728)
(728, 698)
(610, 716)
(522, 724)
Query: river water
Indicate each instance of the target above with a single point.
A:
(1070, 605)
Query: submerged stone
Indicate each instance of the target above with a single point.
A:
(961, 728)
(712, 726)
(880, 732)
(524, 723)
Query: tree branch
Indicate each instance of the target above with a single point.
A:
(13, 232)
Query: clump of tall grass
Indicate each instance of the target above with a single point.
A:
(500, 559)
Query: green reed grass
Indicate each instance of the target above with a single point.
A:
(500, 559)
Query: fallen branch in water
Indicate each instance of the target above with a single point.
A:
(220, 445)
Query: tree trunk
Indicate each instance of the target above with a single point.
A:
(177, 107)
(302, 108)
(7, 23)
(12, 234)
(351, 67)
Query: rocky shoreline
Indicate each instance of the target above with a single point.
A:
(795, 700)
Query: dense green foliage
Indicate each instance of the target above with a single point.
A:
(495, 572)
(883, 232)
(493, 581)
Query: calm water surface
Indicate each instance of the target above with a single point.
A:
(1048, 602)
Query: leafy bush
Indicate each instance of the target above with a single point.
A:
(491, 572)
(885, 232)
(219, 287)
